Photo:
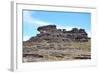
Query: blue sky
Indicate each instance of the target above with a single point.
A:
(32, 19)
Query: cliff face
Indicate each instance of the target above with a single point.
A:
(51, 34)
(53, 44)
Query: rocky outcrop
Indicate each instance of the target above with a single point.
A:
(50, 33)
(53, 44)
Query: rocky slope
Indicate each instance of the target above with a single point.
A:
(54, 44)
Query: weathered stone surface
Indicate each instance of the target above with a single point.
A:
(51, 34)
(53, 44)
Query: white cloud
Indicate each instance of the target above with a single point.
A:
(67, 27)
(32, 20)
(25, 38)
(89, 33)
(64, 27)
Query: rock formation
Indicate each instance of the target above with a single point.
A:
(53, 44)
(51, 34)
